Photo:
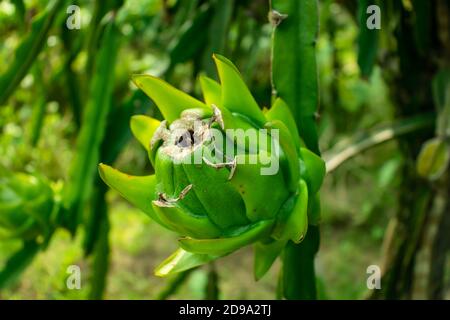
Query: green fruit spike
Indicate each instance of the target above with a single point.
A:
(312, 169)
(280, 111)
(143, 128)
(212, 93)
(140, 191)
(252, 185)
(222, 246)
(265, 256)
(185, 223)
(169, 100)
(182, 260)
(236, 97)
(288, 147)
(293, 224)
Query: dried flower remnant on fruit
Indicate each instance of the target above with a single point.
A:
(165, 201)
(161, 133)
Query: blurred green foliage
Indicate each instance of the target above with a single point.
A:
(41, 119)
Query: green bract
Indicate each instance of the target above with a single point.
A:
(26, 206)
(221, 203)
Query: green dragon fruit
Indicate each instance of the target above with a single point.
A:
(227, 174)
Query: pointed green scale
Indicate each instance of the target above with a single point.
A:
(280, 111)
(223, 246)
(140, 191)
(212, 93)
(182, 260)
(143, 128)
(297, 223)
(265, 256)
(236, 97)
(261, 202)
(187, 224)
(312, 169)
(223, 203)
(169, 100)
(229, 120)
(293, 223)
(164, 174)
(288, 147)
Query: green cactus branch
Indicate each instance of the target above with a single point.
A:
(294, 70)
(294, 79)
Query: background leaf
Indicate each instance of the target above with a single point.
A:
(84, 166)
(28, 50)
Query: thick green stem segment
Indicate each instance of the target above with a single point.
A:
(101, 250)
(294, 73)
(298, 276)
(294, 78)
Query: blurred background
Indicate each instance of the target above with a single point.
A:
(65, 103)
